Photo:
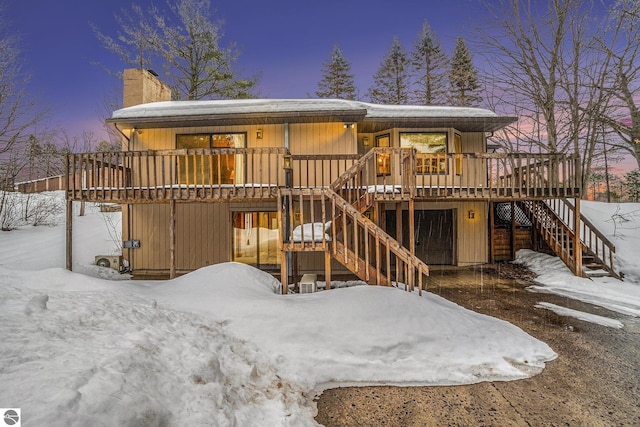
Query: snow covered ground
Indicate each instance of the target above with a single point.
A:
(218, 346)
(621, 224)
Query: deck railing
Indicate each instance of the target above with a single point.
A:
(381, 174)
(491, 175)
(175, 174)
(319, 170)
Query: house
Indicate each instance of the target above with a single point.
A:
(321, 185)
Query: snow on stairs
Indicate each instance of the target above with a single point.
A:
(592, 268)
(596, 256)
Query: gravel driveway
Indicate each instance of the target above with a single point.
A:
(595, 381)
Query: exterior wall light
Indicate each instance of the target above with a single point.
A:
(472, 214)
(365, 141)
(348, 125)
(259, 134)
(287, 162)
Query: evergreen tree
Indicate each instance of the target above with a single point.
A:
(429, 65)
(391, 81)
(337, 80)
(463, 77)
(632, 185)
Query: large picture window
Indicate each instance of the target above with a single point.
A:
(431, 148)
(200, 169)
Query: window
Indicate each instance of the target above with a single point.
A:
(384, 160)
(457, 149)
(431, 148)
(200, 169)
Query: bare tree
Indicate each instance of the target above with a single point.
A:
(184, 40)
(620, 45)
(133, 40)
(17, 113)
(545, 69)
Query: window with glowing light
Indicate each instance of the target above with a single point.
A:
(223, 166)
(431, 148)
(384, 159)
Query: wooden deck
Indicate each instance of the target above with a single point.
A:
(383, 174)
(337, 191)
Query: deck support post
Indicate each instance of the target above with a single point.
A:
(513, 230)
(577, 246)
(399, 238)
(399, 223)
(172, 239)
(295, 270)
(412, 230)
(376, 213)
(69, 236)
(284, 272)
(327, 269)
(492, 256)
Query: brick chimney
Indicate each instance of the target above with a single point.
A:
(142, 86)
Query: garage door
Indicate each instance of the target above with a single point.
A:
(433, 232)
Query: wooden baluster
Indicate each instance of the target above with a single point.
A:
(377, 257)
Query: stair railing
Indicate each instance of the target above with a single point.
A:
(359, 244)
(592, 239)
(554, 220)
(381, 174)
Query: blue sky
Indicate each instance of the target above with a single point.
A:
(286, 40)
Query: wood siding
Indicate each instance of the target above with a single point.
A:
(165, 138)
(204, 229)
(203, 235)
(502, 242)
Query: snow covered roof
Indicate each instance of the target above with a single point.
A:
(260, 111)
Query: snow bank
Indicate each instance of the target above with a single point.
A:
(620, 222)
(105, 358)
(218, 346)
(555, 277)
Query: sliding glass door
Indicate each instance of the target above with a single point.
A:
(255, 239)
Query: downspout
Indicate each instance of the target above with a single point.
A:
(129, 222)
(115, 125)
(288, 183)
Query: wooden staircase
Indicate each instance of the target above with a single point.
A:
(353, 239)
(554, 221)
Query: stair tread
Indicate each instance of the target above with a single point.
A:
(596, 273)
(592, 265)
